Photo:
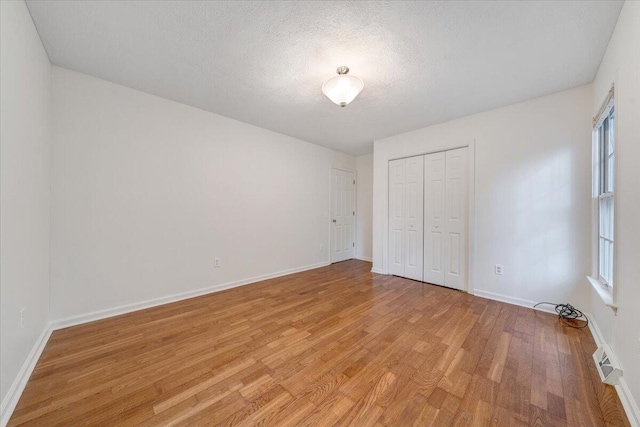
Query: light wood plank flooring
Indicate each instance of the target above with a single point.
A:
(333, 346)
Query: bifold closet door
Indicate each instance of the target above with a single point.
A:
(446, 200)
(396, 216)
(406, 217)
(456, 218)
(434, 218)
(414, 203)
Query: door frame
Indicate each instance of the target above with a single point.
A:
(355, 217)
(469, 286)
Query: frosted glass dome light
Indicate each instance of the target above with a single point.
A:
(342, 89)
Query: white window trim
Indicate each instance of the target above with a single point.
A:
(606, 292)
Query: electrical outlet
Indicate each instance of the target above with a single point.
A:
(216, 262)
(22, 319)
(498, 269)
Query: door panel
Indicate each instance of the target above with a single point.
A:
(434, 215)
(414, 218)
(348, 245)
(336, 215)
(405, 217)
(454, 259)
(456, 212)
(397, 249)
(342, 215)
(396, 216)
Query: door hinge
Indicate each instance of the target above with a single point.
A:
(353, 244)
(354, 213)
(354, 181)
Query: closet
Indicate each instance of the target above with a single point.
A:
(428, 217)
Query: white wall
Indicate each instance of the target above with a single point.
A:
(25, 122)
(621, 64)
(146, 192)
(364, 205)
(532, 195)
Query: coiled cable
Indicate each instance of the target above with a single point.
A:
(568, 314)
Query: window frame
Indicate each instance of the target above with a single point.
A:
(604, 189)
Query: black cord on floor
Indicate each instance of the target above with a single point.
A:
(568, 314)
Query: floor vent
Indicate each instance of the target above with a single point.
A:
(607, 365)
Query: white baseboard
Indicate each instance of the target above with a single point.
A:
(128, 308)
(624, 393)
(628, 403)
(595, 331)
(15, 391)
(17, 387)
(364, 258)
(377, 270)
(513, 300)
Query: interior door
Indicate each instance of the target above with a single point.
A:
(413, 200)
(343, 214)
(434, 218)
(456, 214)
(396, 216)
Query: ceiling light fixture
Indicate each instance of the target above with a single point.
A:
(342, 89)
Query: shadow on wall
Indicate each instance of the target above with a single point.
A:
(544, 228)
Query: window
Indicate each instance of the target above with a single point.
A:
(604, 191)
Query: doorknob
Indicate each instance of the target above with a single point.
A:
(334, 220)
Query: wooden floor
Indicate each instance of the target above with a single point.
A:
(332, 346)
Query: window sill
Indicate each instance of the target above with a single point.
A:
(605, 294)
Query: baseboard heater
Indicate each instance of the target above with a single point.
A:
(607, 365)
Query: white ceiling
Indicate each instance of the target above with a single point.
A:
(264, 62)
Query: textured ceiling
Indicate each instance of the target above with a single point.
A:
(264, 62)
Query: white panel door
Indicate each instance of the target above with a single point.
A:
(434, 218)
(413, 205)
(343, 213)
(456, 214)
(396, 216)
